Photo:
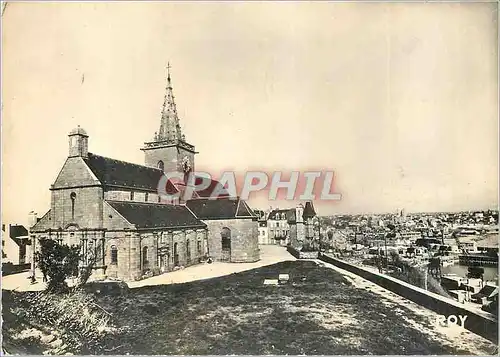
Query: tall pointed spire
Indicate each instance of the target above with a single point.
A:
(169, 150)
(170, 128)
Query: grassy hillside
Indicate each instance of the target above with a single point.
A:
(317, 312)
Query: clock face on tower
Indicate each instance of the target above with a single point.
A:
(186, 164)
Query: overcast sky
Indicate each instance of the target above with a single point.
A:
(400, 99)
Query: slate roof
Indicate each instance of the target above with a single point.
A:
(276, 214)
(208, 191)
(17, 230)
(151, 215)
(309, 211)
(290, 214)
(222, 208)
(111, 172)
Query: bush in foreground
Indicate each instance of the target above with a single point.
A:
(80, 322)
(57, 263)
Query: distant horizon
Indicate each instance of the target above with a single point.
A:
(497, 209)
(320, 215)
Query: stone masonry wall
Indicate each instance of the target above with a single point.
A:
(88, 207)
(244, 239)
(171, 157)
(131, 264)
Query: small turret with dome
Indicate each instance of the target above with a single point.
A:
(78, 131)
(78, 142)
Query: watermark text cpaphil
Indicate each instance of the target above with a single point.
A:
(290, 185)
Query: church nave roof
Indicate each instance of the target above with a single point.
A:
(153, 215)
(220, 208)
(113, 172)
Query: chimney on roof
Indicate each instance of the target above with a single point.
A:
(32, 219)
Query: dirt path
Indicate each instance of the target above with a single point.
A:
(269, 254)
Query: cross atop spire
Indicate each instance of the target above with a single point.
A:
(168, 71)
(170, 129)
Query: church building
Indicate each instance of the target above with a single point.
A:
(126, 230)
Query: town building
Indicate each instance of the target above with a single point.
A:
(279, 227)
(263, 229)
(291, 226)
(113, 210)
(302, 229)
(15, 244)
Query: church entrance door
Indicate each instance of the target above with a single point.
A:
(226, 244)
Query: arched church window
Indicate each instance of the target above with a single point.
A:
(145, 256)
(114, 254)
(73, 199)
(161, 165)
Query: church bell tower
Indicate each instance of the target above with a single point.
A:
(169, 150)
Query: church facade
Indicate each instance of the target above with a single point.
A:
(125, 229)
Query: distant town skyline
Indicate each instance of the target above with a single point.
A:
(399, 99)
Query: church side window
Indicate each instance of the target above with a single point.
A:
(131, 196)
(73, 199)
(145, 260)
(114, 255)
(146, 197)
(161, 165)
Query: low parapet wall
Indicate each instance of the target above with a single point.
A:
(479, 322)
(302, 255)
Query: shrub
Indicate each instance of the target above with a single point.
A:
(57, 263)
